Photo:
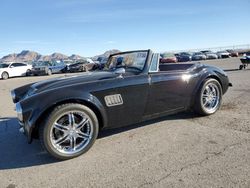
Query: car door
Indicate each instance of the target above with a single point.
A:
(166, 93)
(20, 69)
(23, 69)
(124, 99)
(15, 69)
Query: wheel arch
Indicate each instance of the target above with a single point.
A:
(5, 72)
(100, 116)
(200, 84)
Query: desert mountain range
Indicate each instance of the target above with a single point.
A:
(28, 56)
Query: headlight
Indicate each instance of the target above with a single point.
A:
(19, 111)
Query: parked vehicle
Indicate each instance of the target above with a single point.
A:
(223, 54)
(206, 51)
(211, 55)
(102, 62)
(168, 58)
(82, 66)
(8, 70)
(233, 53)
(184, 57)
(47, 68)
(198, 56)
(133, 84)
(245, 60)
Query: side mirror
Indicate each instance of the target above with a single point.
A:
(120, 71)
(11, 66)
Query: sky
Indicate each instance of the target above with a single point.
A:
(90, 27)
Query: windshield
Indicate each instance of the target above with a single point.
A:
(4, 65)
(135, 60)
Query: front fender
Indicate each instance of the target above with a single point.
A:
(36, 106)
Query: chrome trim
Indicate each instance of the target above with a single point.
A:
(157, 56)
(13, 95)
(21, 130)
(113, 100)
(19, 111)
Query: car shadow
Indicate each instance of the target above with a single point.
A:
(15, 150)
(17, 153)
(183, 115)
(231, 70)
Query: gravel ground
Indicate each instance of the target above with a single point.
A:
(182, 150)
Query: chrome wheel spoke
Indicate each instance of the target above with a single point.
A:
(213, 91)
(61, 139)
(71, 119)
(71, 132)
(83, 135)
(82, 123)
(205, 96)
(73, 142)
(208, 89)
(210, 97)
(206, 102)
(60, 127)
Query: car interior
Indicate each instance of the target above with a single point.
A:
(174, 66)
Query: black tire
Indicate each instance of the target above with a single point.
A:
(5, 75)
(47, 125)
(199, 106)
(49, 72)
(83, 69)
(28, 72)
(240, 67)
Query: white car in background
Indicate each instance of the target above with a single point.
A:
(8, 70)
(223, 54)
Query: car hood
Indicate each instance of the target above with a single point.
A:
(1, 69)
(72, 80)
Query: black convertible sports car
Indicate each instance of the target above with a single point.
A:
(67, 113)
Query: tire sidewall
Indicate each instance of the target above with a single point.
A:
(55, 115)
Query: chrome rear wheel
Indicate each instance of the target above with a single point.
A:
(209, 97)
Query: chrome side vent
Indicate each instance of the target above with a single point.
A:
(113, 100)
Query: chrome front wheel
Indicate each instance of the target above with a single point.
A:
(70, 130)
